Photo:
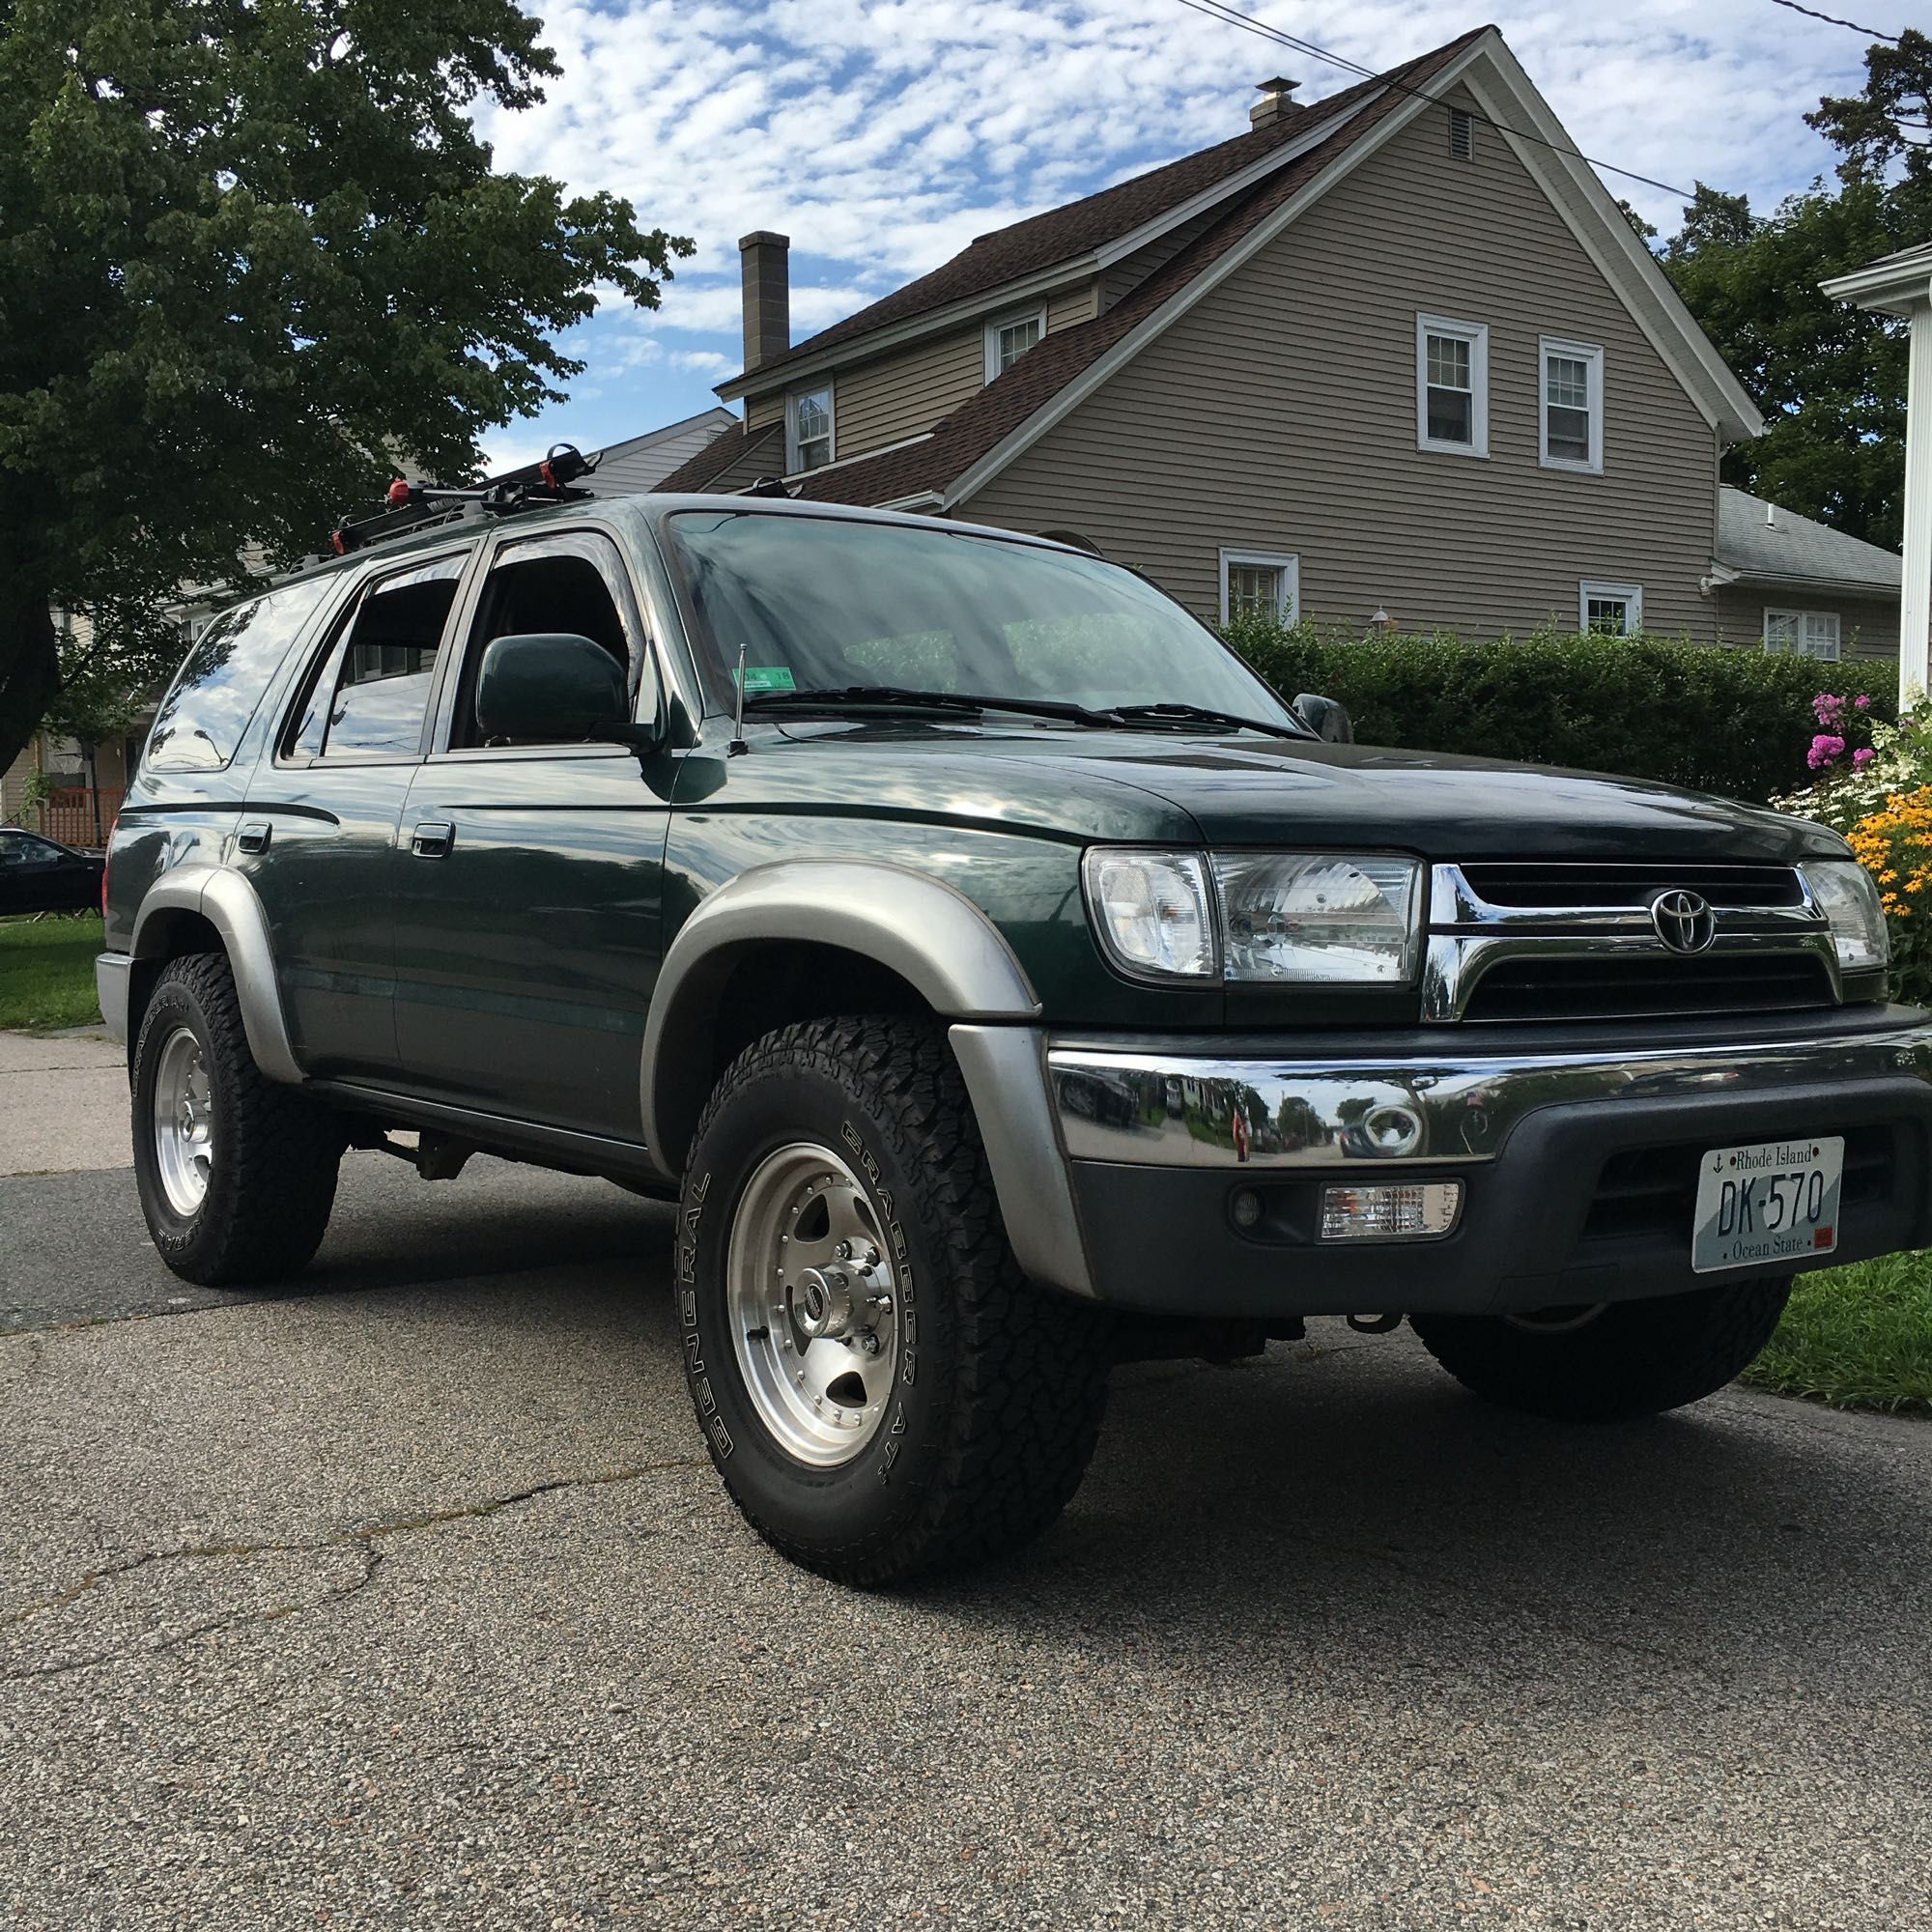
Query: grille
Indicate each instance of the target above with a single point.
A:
(1631, 885)
(1627, 988)
(1654, 1191)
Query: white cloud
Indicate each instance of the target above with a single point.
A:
(883, 135)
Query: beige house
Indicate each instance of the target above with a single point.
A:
(1794, 585)
(1393, 353)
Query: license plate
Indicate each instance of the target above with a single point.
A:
(1774, 1201)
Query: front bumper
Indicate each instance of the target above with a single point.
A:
(1579, 1162)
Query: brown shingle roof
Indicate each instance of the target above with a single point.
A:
(979, 425)
(718, 455)
(1062, 234)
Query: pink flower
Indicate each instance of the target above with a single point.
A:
(1863, 756)
(1863, 703)
(1825, 747)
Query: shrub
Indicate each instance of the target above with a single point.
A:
(1739, 722)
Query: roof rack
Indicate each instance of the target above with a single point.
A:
(421, 506)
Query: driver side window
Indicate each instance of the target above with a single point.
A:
(574, 584)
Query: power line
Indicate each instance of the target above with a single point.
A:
(1230, 17)
(1833, 21)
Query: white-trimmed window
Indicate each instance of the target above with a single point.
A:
(808, 428)
(1573, 405)
(1609, 610)
(1009, 338)
(1805, 634)
(1452, 386)
(1261, 583)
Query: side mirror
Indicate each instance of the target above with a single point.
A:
(1326, 717)
(556, 687)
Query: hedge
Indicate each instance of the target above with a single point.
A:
(1730, 720)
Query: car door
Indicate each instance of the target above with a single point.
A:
(318, 834)
(31, 878)
(530, 909)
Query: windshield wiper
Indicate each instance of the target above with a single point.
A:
(898, 697)
(1196, 714)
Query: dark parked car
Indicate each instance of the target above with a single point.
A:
(1000, 978)
(39, 875)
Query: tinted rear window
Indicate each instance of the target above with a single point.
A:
(204, 714)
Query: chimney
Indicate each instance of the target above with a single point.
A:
(767, 279)
(1276, 103)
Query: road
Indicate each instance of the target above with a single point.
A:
(405, 1599)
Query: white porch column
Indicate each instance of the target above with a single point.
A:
(1901, 285)
(1915, 601)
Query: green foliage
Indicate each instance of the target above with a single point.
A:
(1829, 379)
(46, 971)
(1857, 1337)
(251, 254)
(1738, 723)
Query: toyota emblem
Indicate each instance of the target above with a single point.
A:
(1683, 922)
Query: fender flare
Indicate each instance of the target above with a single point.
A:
(228, 903)
(934, 938)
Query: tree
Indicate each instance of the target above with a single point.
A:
(1829, 379)
(249, 250)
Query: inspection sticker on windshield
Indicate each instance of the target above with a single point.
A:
(769, 677)
(1774, 1201)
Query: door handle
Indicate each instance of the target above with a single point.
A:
(433, 838)
(252, 835)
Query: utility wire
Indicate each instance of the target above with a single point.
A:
(1230, 17)
(1833, 21)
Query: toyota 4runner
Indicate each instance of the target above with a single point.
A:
(999, 976)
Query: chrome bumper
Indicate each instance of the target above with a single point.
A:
(1181, 1110)
(110, 986)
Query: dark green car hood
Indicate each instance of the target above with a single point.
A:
(1121, 786)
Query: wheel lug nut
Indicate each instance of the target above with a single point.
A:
(842, 1252)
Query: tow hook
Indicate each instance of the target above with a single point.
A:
(1373, 1325)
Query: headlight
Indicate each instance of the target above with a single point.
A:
(1848, 897)
(1308, 917)
(1152, 909)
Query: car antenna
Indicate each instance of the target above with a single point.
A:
(738, 743)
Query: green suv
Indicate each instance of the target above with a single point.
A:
(999, 976)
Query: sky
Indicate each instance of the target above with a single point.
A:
(883, 135)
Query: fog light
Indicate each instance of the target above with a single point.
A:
(1423, 1211)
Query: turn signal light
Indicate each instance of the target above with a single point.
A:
(1420, 1211)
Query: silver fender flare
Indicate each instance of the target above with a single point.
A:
(949, 953)
(228, 903)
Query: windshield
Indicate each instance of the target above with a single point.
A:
(825, 603)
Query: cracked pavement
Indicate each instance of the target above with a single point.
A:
(407, 1599)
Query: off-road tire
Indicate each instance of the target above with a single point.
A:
(271, 1182)
(1634, 1358)
(999, 1386)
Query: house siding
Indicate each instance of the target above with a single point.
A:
(1279, 415)
(1074, 305)
(1132, 270)
(896, 396)
(1868, 626)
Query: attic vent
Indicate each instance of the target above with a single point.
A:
(1462, 134)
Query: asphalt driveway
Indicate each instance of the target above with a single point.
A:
(407, 1599)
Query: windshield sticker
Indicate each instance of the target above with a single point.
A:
(769, 677)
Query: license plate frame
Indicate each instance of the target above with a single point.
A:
(1766, 1202)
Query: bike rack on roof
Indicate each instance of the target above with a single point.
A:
(421, 506)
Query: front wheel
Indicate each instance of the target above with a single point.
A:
(1610, 1363)
(882, 1391)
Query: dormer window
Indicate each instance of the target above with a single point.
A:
(809, 429)
(1011, 337)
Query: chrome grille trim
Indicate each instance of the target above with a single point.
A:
(1469, 934)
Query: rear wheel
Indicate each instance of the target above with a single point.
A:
(1612, 1361)
(882, 1391)
(235, 1171)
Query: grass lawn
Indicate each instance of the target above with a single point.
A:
(1857, 1337)
(46, 971)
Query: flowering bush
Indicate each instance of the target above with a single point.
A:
(1894, 845)
(1880, 797)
